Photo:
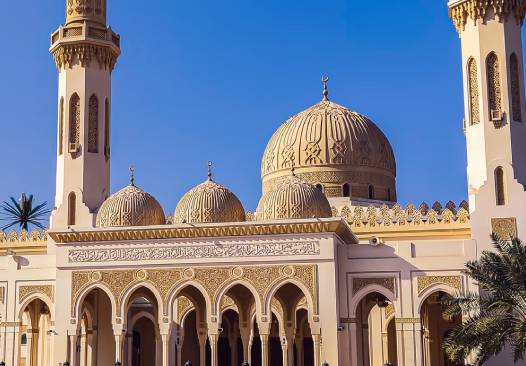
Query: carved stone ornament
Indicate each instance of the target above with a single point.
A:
(385, 282)
(85, 53)
(194, 251)
(212, 279)
(407, 320)
(389, 310)
(424, 282)
(463, 11)
(505, 228)
(25, 291)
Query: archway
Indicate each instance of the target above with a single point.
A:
(435, 327)
(33, 342)
(143, 346)
(95, 330)
(375, 331)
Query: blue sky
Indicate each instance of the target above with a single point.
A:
(211, 80)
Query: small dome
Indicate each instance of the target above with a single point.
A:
(342, 151)
(293, 198)
(131, 206)
(209, 202)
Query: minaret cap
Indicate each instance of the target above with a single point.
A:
(78, 11)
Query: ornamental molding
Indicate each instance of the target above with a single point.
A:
(65, 54)
(463, 11)
(212, 279)
(424, 282)
(385, 282)
(389, 310)
(283, 227)
(407, 320)
(244, 250)
(25, 291)
(504, 228)
(2, 294)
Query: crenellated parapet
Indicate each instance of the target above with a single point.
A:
(461, 11)
(34, 241)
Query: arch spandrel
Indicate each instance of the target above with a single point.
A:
(128, 297)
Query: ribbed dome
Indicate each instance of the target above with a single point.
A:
(293, 198)
(131, 206)
(209, 202)
(331, 146)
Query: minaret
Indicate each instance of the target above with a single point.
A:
(495, 115)
(85, 51)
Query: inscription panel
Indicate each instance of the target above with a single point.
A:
(193, 251)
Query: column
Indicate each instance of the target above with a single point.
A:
(316, 339)
(299, 349)
(129, 350)
(165, 340)
(232, 343)
(29, 347)
(213, 338)
(179, 346)
(409, 341)
(73, 349)
(158, 350)
(202, 348)
(249, 349)
(118, 347)
(264, 349)
(89, 346)
(284, 350)
(353, 337)
(245, 340)
(289, 338)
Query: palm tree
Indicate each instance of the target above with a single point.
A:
(495, 318)
(23, 213)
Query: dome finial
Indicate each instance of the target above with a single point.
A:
(325, 79)
(132, 175)
(210, 170)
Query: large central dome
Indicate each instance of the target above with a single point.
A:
(340, 151)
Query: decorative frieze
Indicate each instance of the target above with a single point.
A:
(504, 228)
(25, 291)
(65, 54)
(246, 250)
(359, 283)
(462, 11)
(424, 282)
(407, 320)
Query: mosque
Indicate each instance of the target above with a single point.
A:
(330, 268)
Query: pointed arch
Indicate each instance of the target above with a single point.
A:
(74, 121)
(346, 190)
(61, 127)
(494, 86)
(371, 192)
(473, 90)
(93, 125)
(516, 100)
(500, 191)
(72, 208)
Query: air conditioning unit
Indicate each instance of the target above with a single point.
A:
(496, 116)
(73, 147)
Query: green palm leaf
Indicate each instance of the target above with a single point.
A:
(23, 213)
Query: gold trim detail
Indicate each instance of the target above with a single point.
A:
(424, 282)
(461, 11)
(389, 310)
(362, 282)
(25, 291)
(505, 228)
(407, 320)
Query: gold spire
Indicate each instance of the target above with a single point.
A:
(78, 11)
(325, 80)
(210, 170)
(132, 175)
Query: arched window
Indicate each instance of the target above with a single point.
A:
(74, 123)
(494, 87)
(23, 340)
(107, 129)
(473, 89)
(371, 192)
(516, 99)
(346, 190)
(72, 204)
(320, 187)
(500, 193)
(61, 127)
(93, 125)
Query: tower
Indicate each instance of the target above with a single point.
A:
(495, 116)
(85, 51)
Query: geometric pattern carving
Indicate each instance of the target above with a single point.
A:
(425, 282)
(74, 120)
(385, 282)
(473, 92)
(516, 100)
(504, 228)
(213, 279)
(93, 125)
(25, 291)
(494, 84)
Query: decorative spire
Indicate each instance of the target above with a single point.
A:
(132, 175)
(210, 171)
(325, 80)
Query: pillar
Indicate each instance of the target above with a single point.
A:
(118, 347)
(299, 349)
(73, 350)
(316, 339)
(202, 348)
(232, 343)
(129, 350)
(245, 340)
(29, 347)
(264, 349)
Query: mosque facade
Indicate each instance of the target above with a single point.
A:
(329, 269)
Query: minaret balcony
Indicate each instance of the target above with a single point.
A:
(86, 33)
